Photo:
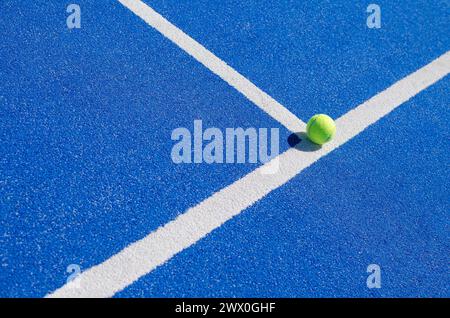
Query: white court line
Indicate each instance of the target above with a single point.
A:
(216, 65)
(143, 256)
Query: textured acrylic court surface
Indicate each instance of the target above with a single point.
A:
(85, 170)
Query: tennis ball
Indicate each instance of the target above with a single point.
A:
(320, 129)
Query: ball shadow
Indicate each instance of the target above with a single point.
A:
(301, 142)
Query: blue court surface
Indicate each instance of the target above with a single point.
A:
(85, 150)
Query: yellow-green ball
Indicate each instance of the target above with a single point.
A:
(320, 129)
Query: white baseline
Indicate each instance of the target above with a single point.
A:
(216, 65)
(143, 256)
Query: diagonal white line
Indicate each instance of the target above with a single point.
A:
(143, 256)
(216, 65)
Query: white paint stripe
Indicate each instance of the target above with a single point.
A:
(143, 256)
(216, 65)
